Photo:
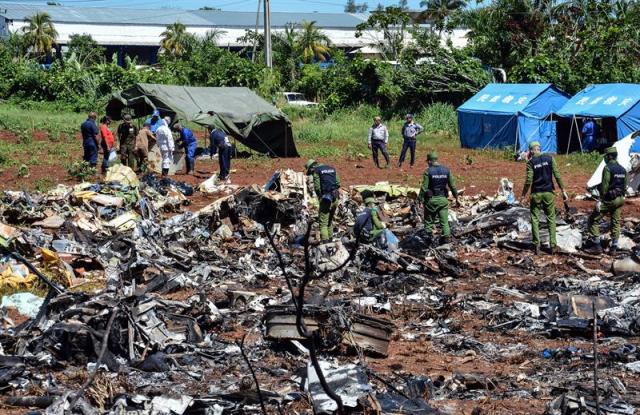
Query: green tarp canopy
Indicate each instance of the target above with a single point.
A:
(238, 111)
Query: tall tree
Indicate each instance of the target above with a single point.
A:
(85, 50)
(40, 34)
(286, 52)
(393, 23)
(313, 43)
(175, 39)
(353, 7)
(439, 11)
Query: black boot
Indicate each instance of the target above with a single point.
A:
(445, 240)
(165, 172)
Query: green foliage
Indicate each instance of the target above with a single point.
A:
(23, 171)
(43, 184)
(85, 50)
(570, 44)
(40, 34)
(393, 23)
(80, 170)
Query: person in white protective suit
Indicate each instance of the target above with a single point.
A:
(164, 141)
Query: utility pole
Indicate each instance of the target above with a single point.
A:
(267, 34)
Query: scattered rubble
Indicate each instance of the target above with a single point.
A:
(131, 303)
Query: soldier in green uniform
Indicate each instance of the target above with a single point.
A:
(326, 184)
(541, 170)
(368, 225)
(612, 191)
(127, 133)
(434, 194)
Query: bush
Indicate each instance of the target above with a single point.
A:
(81, 170)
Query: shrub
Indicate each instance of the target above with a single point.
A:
(81, 170)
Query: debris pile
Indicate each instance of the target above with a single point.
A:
(119, 299)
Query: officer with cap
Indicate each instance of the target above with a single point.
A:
(541, 169)
(434, 193)
(326, 184)
(612, 190)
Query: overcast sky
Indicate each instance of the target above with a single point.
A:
(331, 6)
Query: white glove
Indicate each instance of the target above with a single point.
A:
(598, 205)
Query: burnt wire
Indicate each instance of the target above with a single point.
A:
(299, 304)
(253, 374)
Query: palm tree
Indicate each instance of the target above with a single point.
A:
(286, 51)
(312, 42)
(213, 36)
(175, 39)
(440, 10)
(40, 34)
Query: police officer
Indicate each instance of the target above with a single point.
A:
(434, 193)
(541, 169)
(127, 133)
(612, 191)
(326, 184)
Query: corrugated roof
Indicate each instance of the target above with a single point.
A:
(106, 15)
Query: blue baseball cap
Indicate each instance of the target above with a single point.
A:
(156, 113)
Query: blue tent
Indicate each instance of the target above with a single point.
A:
(503, 115)
(619, 102)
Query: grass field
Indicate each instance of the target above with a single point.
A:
(40, 138)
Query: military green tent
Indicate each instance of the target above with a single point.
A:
(238, 111)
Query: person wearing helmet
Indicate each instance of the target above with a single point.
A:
(541, 170)
(326, 184)
(434, 195)
(612, 191)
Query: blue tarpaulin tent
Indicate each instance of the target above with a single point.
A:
(503, 115)
(615, 101)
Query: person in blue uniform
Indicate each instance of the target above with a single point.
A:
(589, 135)
(220, 143)
(89, 130)
(154, 121)
(189, 143)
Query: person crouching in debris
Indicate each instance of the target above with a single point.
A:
(612, 192)
(541, 169)
(326, 184)
(370, 228)
(164, 140)
(144, 141)
(189, 143)
(220, 142)
(434, 194)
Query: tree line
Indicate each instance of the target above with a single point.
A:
(570, 44)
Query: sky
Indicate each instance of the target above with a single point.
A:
(327, 6)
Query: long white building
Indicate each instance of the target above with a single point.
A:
(137, 32)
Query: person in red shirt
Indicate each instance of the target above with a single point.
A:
(106, 141)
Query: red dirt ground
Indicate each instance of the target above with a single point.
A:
(421, 357)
